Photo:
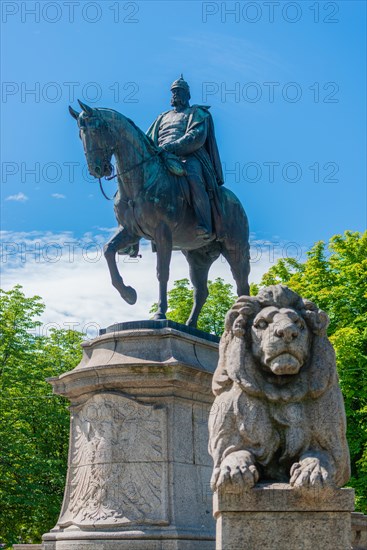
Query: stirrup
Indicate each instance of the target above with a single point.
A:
(203, 232)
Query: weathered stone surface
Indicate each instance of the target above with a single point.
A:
(279, 412)
(277, 516)
(281, 497)
(138, 477)
(99, 543)
(118, 470)
(359, 532)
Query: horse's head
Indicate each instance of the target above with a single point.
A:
(97, 140)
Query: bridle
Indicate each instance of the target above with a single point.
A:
(107, 154)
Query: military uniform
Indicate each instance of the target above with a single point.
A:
(189, 134)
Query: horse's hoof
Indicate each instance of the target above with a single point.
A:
(191, 323)
(129, 295)
(159, 317)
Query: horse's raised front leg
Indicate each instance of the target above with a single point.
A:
(163, 241)
(121, 239)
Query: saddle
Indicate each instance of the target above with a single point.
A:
(177, 168)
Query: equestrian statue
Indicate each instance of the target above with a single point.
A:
(170, 191)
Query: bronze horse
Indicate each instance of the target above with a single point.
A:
(151, 203)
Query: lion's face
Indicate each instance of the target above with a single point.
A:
(280, 340)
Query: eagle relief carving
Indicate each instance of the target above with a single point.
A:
(117, 463)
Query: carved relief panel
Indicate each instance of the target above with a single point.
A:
(117, 464)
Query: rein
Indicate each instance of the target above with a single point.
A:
(102, 191)
(133, 167)
(124, 172)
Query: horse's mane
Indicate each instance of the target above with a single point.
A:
(116, 115)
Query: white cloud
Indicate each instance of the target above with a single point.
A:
(19, 197)
(71, 275)
(58, 196)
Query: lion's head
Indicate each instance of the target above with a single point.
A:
(280, 340)
(275, 345)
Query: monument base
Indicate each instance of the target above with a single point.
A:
(139, 470)
(117, 541)
(276, 516)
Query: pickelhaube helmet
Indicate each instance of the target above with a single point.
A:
(181, 83)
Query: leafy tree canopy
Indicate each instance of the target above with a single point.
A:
(34, 424)
(335, 278)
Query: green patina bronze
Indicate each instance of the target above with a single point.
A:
(169, 192)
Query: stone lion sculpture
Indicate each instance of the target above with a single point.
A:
(278, 413)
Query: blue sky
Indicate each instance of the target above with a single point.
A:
(297, 75)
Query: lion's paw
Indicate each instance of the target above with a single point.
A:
(237, 469)
(309, 473)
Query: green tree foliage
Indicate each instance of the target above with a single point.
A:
(335, 278)
(34, 424)
(180, 302)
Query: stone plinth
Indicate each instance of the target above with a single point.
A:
(276, 516)
(139, 469)
(359, 532)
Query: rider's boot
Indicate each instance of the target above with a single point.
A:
(202, 208)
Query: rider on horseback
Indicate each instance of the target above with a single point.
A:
(188, 132)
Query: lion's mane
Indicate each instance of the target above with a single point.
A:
(278, 419)
(314, 378)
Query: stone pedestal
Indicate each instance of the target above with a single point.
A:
(139, 469)
(276, 516)
(359, 532)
